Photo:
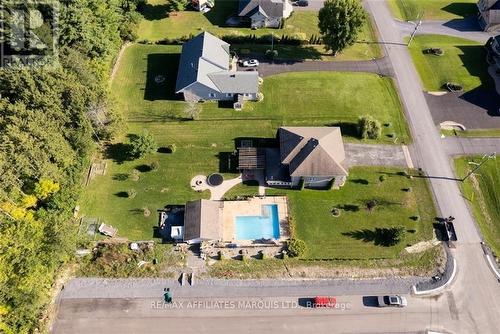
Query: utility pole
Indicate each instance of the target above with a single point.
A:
(483, 161)
(419, 23)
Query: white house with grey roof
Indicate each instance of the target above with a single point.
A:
(264, 13)
(205, 73)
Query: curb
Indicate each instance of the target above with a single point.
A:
(438, 289)
(492, 266)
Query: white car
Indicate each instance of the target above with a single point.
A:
(394, 301)
(250, 63)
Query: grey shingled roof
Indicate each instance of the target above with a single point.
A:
(492, 4)
(205, 59)
(270, 8)
(312, 151)
(202, 220)
(200, 56)
(236, 81)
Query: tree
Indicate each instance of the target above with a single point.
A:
(296, 247)
(142, 145)
(369, 128)
(340, 22)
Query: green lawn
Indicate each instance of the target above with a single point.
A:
(353, 235)
(463, 62)
(472, 133)
(433, 9)
(290, 99)
(302, 24)
(483, 196)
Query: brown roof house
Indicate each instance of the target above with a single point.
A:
(312, 156)
(264, 13)
(489, 14)
(202, 221)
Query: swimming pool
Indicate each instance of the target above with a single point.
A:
(266, 226)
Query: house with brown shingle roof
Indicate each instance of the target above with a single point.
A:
(313, 156)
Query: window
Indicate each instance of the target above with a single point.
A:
(229, 94)
(247, 94)
(212, 95)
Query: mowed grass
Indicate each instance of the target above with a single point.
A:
(464, 62)
(306, 98)
(433, 9)
(353, 234)
(290, 99)
(302, 24)
(482, 193)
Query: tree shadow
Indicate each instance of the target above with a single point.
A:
(221, 11)
(349, 207)
(161, 77)
(119, 152)
(143, 168)
(120, 177)
(360, 181)
(384, 237)
(348, 129)
(154, 12)
(122, 194)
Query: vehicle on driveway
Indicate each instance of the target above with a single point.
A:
(392, 301)
(250, 63)
(301, 3)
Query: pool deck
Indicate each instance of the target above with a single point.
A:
(252, 207)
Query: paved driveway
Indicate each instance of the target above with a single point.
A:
(465, 28)
(314, 5)
(477, 109)
(379, 66)
(375, 155)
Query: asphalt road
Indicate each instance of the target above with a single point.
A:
(475, 291)
(471, 146)
(251, 315)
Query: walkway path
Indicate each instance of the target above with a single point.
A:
(217, 193)
(378, 66)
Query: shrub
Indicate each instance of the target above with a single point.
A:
(131, 193)
(271, 54)
(335, 212)
(135, 175)
(220, 255)
(415, 218)
(172, 148)
(296, 247)
(142, 145)
(382, 178)
(370, 205)
(369, 128)
(146, 211)
(155, 165)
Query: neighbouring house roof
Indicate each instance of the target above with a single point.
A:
(489, 4)
(202, 220)
(205, 59)
(269, 8)
(312, 151)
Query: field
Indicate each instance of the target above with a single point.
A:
(463, 62)
(409, 10)
(354, 234)
(158, 24)
(201, 146)
(481, 191)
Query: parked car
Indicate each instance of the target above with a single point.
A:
(323, 301)
(302, 3)
(393, 301)
(250, 63)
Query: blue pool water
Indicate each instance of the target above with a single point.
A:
(266, 226)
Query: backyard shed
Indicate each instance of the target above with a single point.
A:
(202, 221)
